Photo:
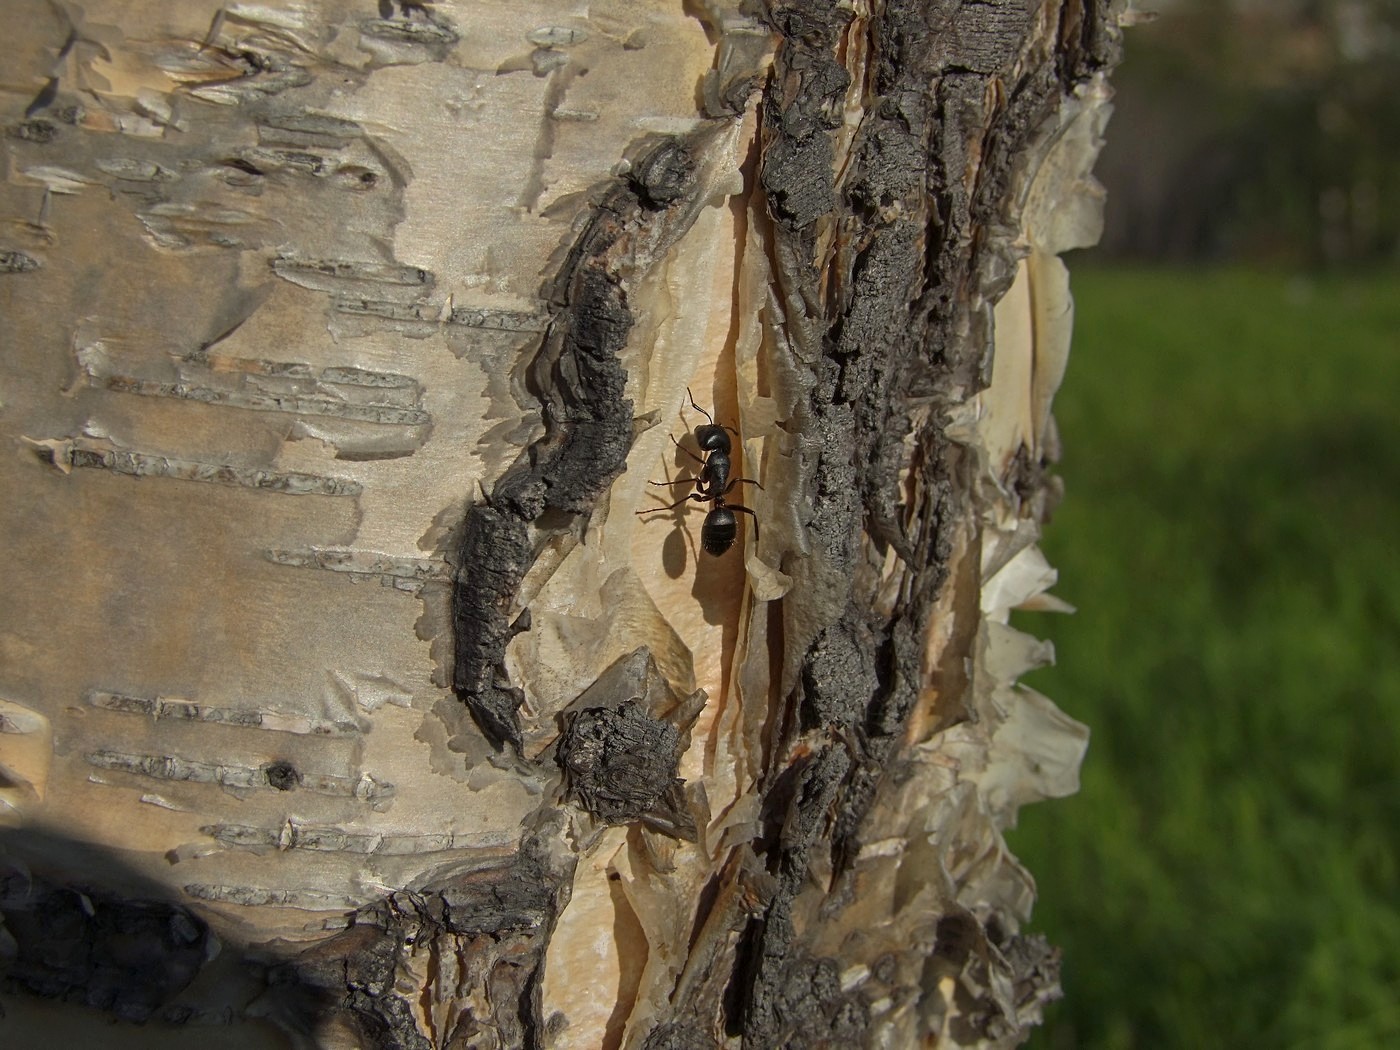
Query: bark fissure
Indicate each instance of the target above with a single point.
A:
(921, 225)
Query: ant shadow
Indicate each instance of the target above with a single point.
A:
(674, 553)
(713, 586)
(680, 546)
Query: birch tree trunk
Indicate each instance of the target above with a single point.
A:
(346, 701)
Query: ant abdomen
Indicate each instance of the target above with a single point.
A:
(719, 531)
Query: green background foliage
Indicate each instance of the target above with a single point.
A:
(1230, 873)
(1259, 129)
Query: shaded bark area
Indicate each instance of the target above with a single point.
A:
(106, 950)
(483, 932)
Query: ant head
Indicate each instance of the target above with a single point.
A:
(712, 438)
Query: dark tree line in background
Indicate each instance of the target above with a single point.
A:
(1261, 130)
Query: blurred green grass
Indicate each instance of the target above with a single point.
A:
(1229, 875)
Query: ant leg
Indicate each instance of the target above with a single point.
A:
(745, 510)
(687, 451)
(737, 481)
(657, 510)
(698, 497)
(678, 481)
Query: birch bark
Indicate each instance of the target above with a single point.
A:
(346, 701)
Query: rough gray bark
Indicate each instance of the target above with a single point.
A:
(778, 791)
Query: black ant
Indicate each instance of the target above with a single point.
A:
(712, 484)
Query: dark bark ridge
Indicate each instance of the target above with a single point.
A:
(579, 381)
(619, 765)
(914, 246)
(617, 762)
(621, 746)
